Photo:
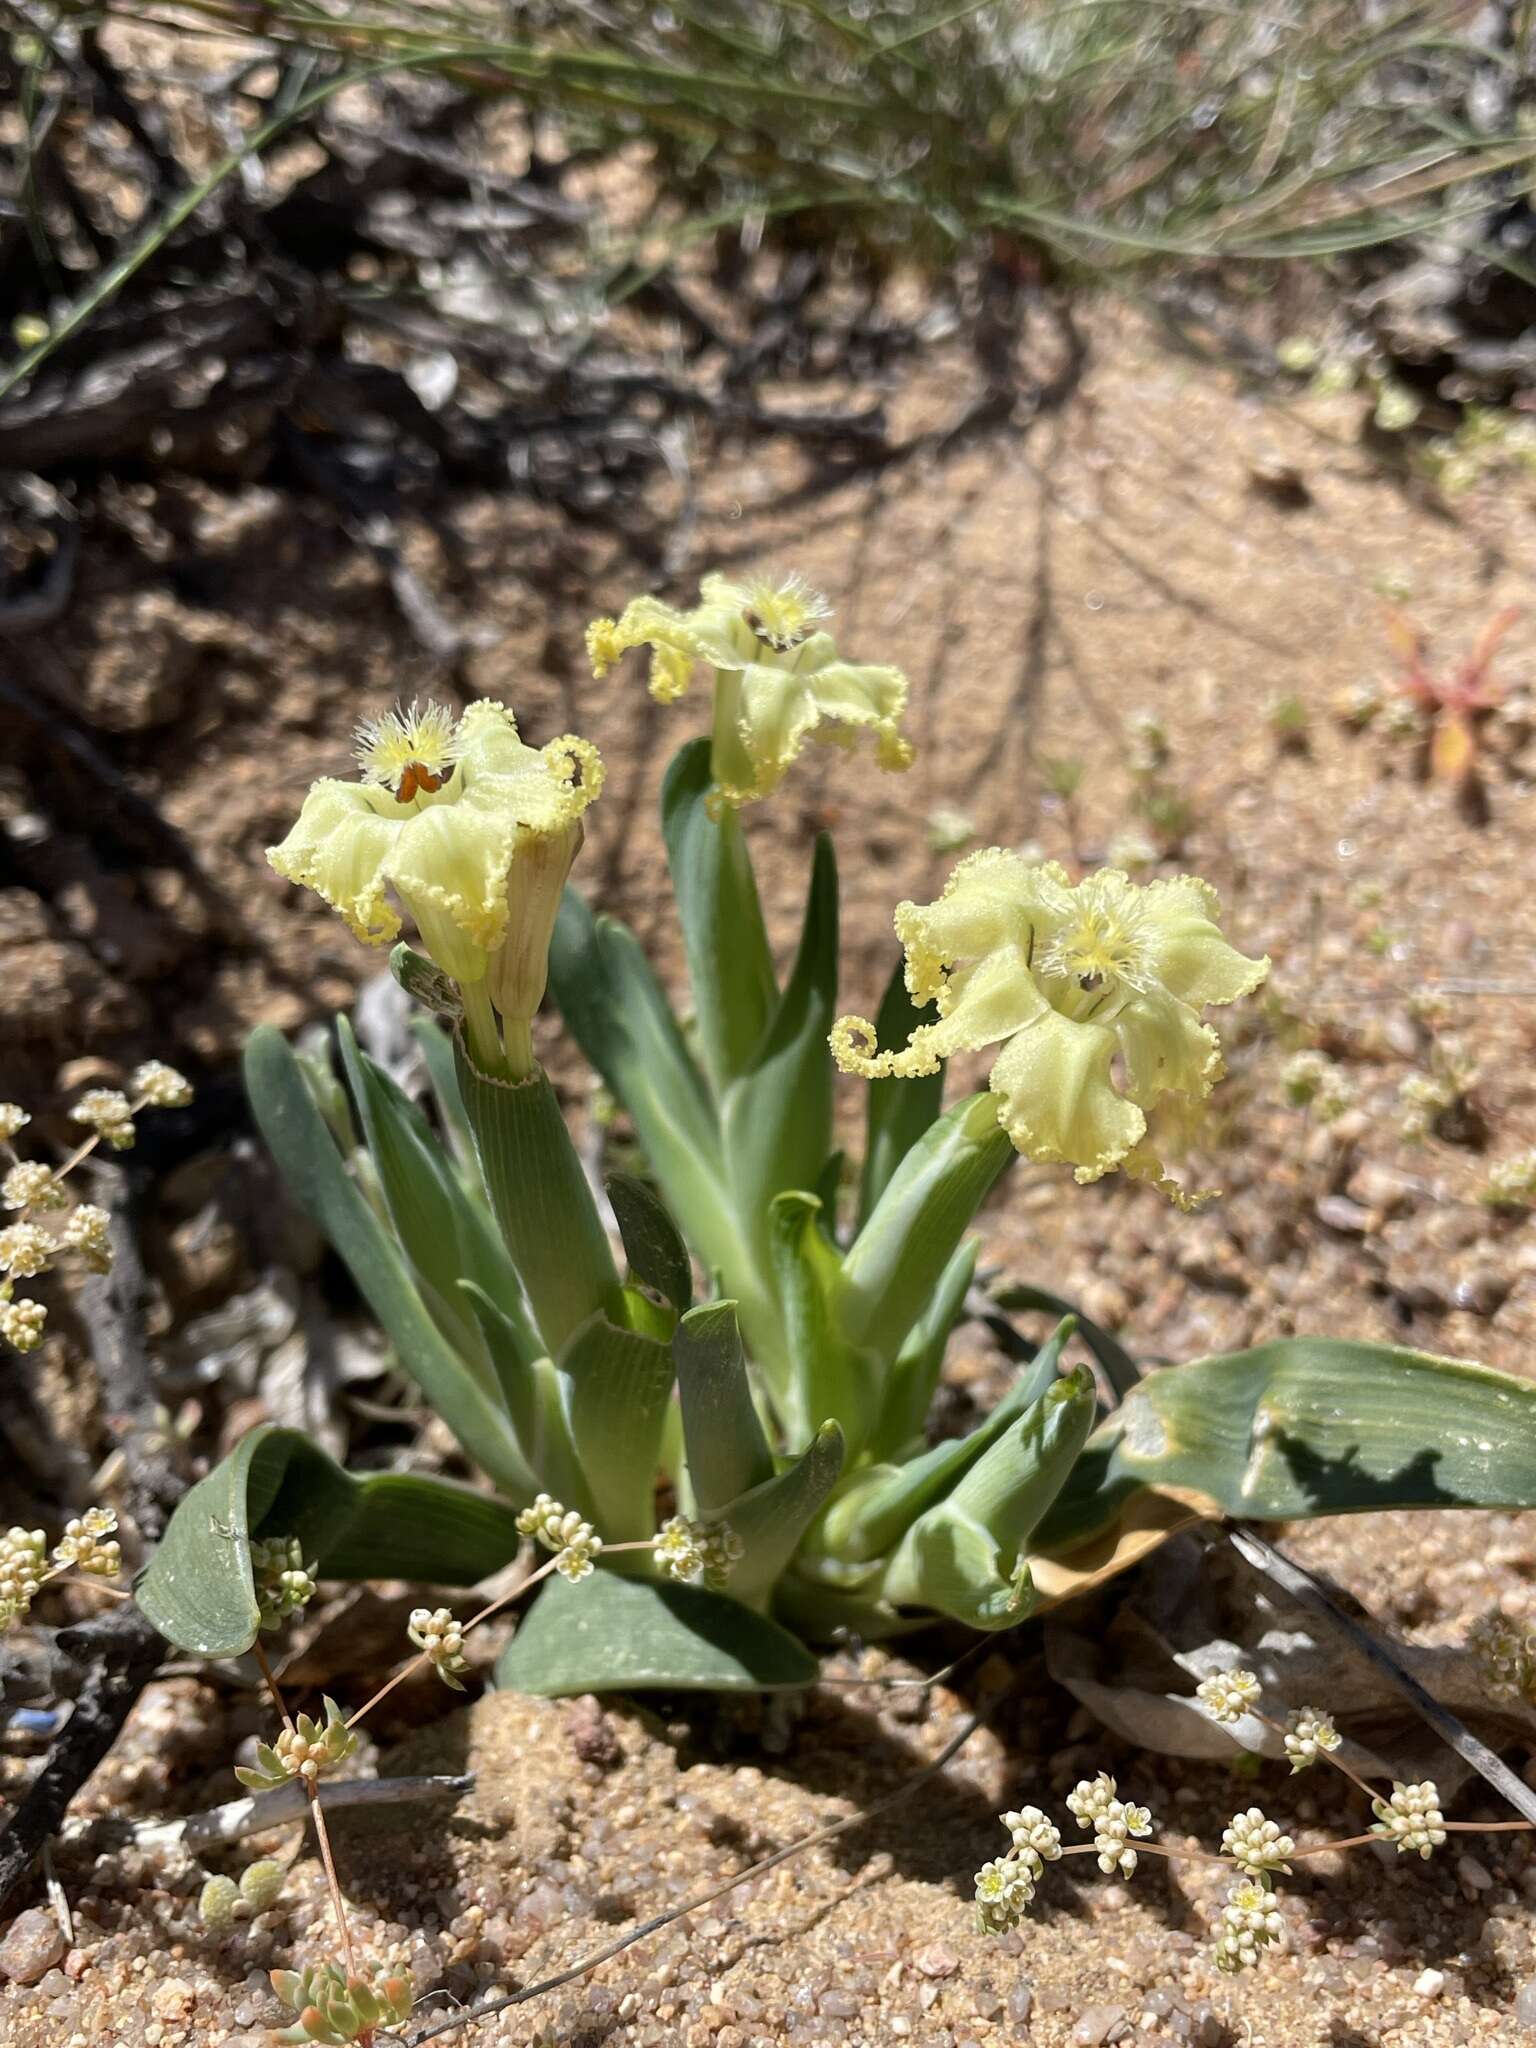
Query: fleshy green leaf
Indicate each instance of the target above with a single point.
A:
(900, 1110)
(730, 966)
(882, 1501)
(727, 1451)
(1308, 1426)
(776, 1119)
(771, 1519)
(618, 1384)
(530, 1388)
(540, 1198)
(611, 1634)
(657, 1255)
(307, 1157)
(1120, 1369)
(445, 1234)
(826, 1374)
(913, 1379)
(895, 1263)
(197, 1586)
(966, 1556)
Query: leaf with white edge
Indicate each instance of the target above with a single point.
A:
(612, 1634)
(197, 1588)
(656, 1253)
(727, 1451)
(1307, 1426)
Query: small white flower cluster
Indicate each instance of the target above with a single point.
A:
(562, 1530)
(222, 1902)
(85, 1544)
(1227, 1695)
(1250, 1921)
(305, 1750)
(23, 1567)
(1110, 1820)
(1411, 1818)
(1506, 1652)
(698, 1553)
(437, 1634)
(1146, 742)
(1308, 1733)
(1425, 1098)
(29, 1184)
(1511, 1183)
(1006, 1885)
(1313, 1081)
(1256, 1843)
(34, 1189)
(109, 1113)
(158, 1086)
(284, 1583)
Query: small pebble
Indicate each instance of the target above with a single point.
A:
(1095, 2024)
(33, 1943)
(1429, 1983)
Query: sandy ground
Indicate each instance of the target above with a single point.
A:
(1130, 554)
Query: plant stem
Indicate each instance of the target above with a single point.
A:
(484, 1037)
(312, 1793)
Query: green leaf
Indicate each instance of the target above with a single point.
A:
(1308, 1426)
(882, 1501)
(442, 1232)
(730, 965)
(609, 1634)
(913, 1379)
(966, 1556)
(657, 1255)
(771, 1519)
(1120, 1369)
(197, 1586)
(826, 1374)
(437, 1050)
(895, 1263)
(727, 1451)
(618, 1384)
(540, 1198)
(302, 1146)
(776, 1119)
(900, 1110)
(531, 1390)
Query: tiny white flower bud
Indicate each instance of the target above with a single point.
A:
(1227, 1695)
(85, 1232)
(1309, 1732)
(1256, 1843)
(1411, 1818)
(31, 1185)
(1250, 1921)
(12, 1118)
(160, 1086)
(22, 1323)
(109, 1113)
(25, 1251)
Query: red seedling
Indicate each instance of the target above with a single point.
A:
(1455, 703)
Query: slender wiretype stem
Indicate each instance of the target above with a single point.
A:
(317, 1812)
(502, 1600)
(1338, 1763)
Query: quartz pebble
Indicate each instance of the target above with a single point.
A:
(33, 1943)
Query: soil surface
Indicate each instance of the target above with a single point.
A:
(1170, 544)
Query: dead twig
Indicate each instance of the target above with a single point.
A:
(1310, 1592)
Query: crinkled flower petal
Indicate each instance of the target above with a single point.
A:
(1165, 1046)
(1058, 1102)
(1191, 958)
(985, 904)
(339, 847)
(981, 1005)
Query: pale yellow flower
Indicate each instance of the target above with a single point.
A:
(778, 679)
(446, 816)
(1092, 992)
